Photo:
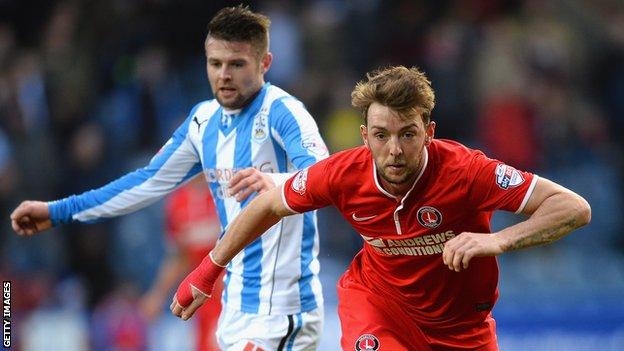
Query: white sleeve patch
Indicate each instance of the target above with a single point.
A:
(507, 176)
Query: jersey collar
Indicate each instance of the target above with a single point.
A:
(383, 191)
(250, 110)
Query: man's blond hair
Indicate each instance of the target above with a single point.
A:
(405, 90)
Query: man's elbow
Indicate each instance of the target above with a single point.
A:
(582, 210)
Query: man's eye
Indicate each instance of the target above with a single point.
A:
(380, 136)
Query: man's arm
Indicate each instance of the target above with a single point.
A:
(176, 162)
(554, 212)
(261, 213)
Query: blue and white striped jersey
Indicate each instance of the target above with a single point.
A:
(277, 273)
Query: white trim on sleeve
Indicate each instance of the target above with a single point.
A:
(528, 193)
(280, 178)
(284, 200)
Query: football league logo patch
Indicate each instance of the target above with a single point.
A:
(315, 145)
(508, 177)
(367, 342)
(299, 183)
(429, 217)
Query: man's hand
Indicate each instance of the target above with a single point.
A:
(461, 249)
(248, 181)
(31, 217)
(198, 299)
(195, 288)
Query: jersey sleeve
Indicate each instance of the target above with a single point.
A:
(176, 162)
(309, 189)
(296, 132)
(493, 185)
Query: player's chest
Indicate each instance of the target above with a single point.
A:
(418, 215)
(246, 143)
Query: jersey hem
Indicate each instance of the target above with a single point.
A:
(278, 311)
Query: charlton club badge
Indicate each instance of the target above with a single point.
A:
(429, 217)
(367, 342)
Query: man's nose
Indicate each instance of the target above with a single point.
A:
(395, 146)
(224, 73)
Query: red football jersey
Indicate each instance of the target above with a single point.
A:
(192, 221)
(193, 227)
(457, 191)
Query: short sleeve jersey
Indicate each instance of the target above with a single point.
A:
(456, 191)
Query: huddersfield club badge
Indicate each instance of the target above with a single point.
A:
(429, 217)
(261, 127)
(367, 342)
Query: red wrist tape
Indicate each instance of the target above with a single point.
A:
(202, 278)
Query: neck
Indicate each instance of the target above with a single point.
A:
(401, 189)
(253, 97)
(398, 190)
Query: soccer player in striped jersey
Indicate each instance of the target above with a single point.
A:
(426, 278)
(247, 140)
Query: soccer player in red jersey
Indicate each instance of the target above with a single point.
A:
(193, 228)
(426, 278)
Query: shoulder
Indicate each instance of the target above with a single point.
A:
(349, 163)
(451, 154)
(275, 93)
(282, 104)
(198, 116)
(204, 109)
(355, 156)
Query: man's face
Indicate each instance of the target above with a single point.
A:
(397, 144)
(235, 71)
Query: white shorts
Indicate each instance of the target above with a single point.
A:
(240, 331)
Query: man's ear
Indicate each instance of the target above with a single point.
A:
(430, 133)
(266, 61)
(364, 134)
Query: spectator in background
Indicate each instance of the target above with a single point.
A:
(7, 170)
(285, 45)
(117, 323)
(193, 229)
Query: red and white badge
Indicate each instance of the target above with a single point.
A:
(429, 217)
(367, 342)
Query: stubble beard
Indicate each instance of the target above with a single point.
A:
(408, 177)
(240, 101)
(235, 104)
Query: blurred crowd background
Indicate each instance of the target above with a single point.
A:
(91, 89)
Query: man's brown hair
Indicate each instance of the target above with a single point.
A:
(243, 25)
(405, 90)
